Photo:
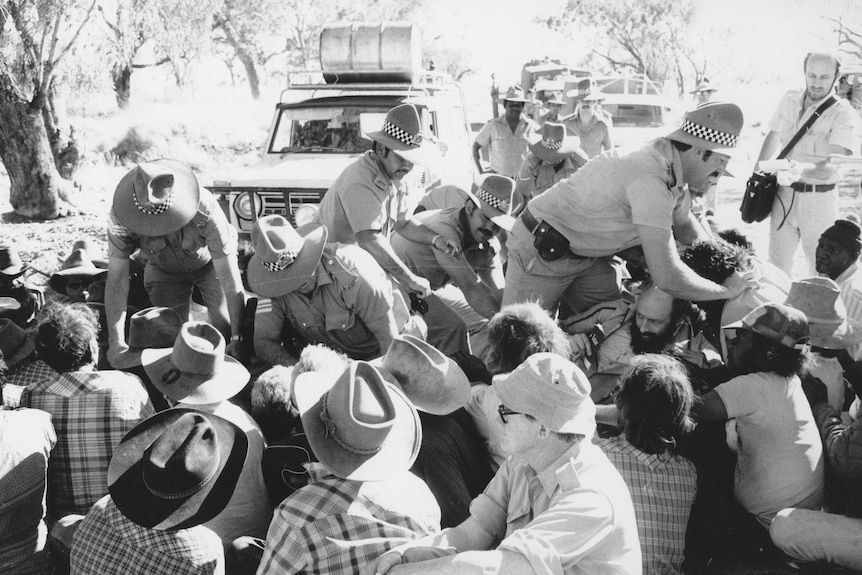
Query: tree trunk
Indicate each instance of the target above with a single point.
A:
(123, 86)
(250, 71)
(61, 135)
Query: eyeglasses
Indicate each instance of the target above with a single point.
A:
(505, 411)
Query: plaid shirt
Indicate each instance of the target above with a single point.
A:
(663, 489)
(91, 412)
(107, 542)
(30, 372)
(335, 525)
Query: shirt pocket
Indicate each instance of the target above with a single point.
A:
(153, 245)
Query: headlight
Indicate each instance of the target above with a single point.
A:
(304, 214)
(248, 206)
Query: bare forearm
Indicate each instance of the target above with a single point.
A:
(381, 250)
(414, 231)
(228, 275)
(482, 300)
(769, 147)
(116, 300)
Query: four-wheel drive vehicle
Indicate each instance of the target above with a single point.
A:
(319, 127)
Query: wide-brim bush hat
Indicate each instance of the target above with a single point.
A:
(76, 266)
(15, 343)
(703, 87)
(11, 265)
(151, 328)
(498, 199)
(402, 133)
(157, 198)
(779, 323)
(712, 126)
(284, 258)
(177, 469)
(586, 91)
(552, 390)
(359, 425)
(431, 380)
(553, 144)
(515, 93)
(195, 370)
(819, 298)
(556, 98)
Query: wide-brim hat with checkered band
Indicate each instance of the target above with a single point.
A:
(284, 258)
(358, 424)
(402, 133)
(157, 198)
(587, 91)
(11, 265)
(554, 145)
(196, 370)
(712, 126)
(177, 469)
(497, 198)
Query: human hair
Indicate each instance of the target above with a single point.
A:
(780, 359)
(569, 438)
(715, 259)
(680, 146)
(655, 402)
(735, 237)
(822, 56)
(67, 336)
(319, 358)
(272, 403)
(518, 331)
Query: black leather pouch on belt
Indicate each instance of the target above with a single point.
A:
(551, 244)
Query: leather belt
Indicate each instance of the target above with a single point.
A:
(802, 187)
(529, 220)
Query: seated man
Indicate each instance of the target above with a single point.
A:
(29, 298)
(78, 271)
(332, 294)
(363, 500)
(91, 410)
(556, 506)
(171, 474)
(652, 412)
(468, 286)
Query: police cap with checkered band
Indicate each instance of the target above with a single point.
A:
(712, 126)
(402, 133)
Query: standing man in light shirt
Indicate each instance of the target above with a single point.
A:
(809, 205)
(506, 137)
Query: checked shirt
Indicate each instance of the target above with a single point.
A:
(335, 525)
(91, 412)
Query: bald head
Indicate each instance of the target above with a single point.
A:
(821, 71)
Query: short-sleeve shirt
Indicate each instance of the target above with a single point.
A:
(662, 489)
(779, 460)
(594, 137)
(838, 125)
(107, 542)
(575, 516)
(506, 148)
(352, 309)
(599, 208)
(362, 198)
(424, 259)
(206, 237)
(536, 176)
(26, 440)
(335, 525)
(91, 412)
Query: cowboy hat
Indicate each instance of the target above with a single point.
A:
(712, 126)
(93, 250)
(11, 265)
(196, 370)
(15, 343)
(177, 469)
(157, 198)
(76, 266)
(402, 133)
(284, 258)
(514, 93)
(553, 145)
(819, 298)
(433, 382)
(587, 91)
(497, 198)
(358, 425)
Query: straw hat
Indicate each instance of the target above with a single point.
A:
(284, 257)
(157, 198)
(11, 265)
(358, 425)
(402, 133)
(712, 126)
(554, 145)
(432, 381)
(819, 298)
(177, 469)
(15, 343)
(196, 370)
(497, 198)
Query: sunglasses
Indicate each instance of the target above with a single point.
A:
(77, 284)
(505, 412)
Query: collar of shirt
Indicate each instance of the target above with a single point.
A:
(562, 469)
(806, 111)
(380, 177)
(664, 149)
(847, 274)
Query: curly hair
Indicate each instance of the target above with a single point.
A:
(715, 259)
(655, 402)
(67, 336)
(518, 331)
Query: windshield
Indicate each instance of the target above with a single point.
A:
(322, 129)
(635, 115)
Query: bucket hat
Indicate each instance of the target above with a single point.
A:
(15, 343)
(712, 126)
(76, 267)
(284, 258)
(432, 381)
(819, 298)
(554, 145)
(358, 425)
(402, 133)
(177, 469)
(497, 198)
(778, 323)
(157, 198)
(551, 389)
(11, 265)
(196, 370)
(587, 91)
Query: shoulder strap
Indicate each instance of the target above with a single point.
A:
(808, 123)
